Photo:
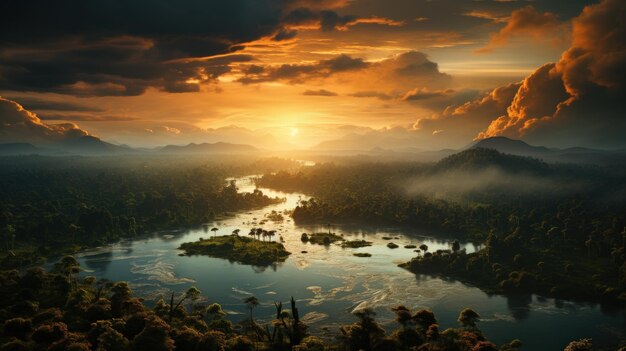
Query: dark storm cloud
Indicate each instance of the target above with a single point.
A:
(90, 48)
(327, 20)
(297, 73)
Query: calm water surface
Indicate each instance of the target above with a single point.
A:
(329, 282)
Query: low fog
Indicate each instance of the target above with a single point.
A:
(461, 183)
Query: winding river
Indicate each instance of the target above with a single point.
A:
(330, 282)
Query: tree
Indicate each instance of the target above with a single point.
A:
(580, 345)
(484, 346)
(365, 333)
(214, 230)
(121, 293)
(456, 246)
(68, 266)
(236, 232)
(468, 318)
(252, 302)
(154, 337)
(424, 318)
(112, 340)
(192, 293)
(424, 247)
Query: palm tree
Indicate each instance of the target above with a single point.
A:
(271, 234)
(252, 302)
(192, 293)
(236, 232)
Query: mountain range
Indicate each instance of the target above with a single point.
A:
(93, 146)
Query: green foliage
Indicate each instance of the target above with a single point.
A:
(557, 230)
(323, 238)
(55, 204)
(239, 249)
(356, 243)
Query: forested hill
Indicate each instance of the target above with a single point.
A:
(481, 158)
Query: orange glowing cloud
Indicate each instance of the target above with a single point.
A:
(526, 21)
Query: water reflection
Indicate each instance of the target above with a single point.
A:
(519, 305)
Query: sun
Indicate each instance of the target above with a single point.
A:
(294, 132)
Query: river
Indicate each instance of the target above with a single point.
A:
(330, 282)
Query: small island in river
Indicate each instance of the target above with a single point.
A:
(238, 249)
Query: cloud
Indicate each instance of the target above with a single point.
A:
(327, 20)
(526, 21)
(578, 100)
(96, 48)
(409, 76)
(285, 34)
(425, 94)
(537, 97)
(85, 117)
(32, 103)
(459, 124)
(298, 73)
(488, 15)
(20, 125)
(321, 92)
(370, 94)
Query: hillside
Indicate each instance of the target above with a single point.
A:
(481, 158)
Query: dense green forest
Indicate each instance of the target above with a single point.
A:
(558, 230)
(49, 204)
(57, 310)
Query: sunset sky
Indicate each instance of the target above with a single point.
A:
(428, 74)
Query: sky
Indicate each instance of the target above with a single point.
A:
(293, 74)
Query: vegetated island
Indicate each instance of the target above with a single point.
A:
(238, 249)
(321, 238)
(355, 244)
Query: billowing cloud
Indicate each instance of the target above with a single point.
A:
(526, 21)
(96, 48)
(20, 125)
(409, 76)
(578, 100)
(458, 124)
